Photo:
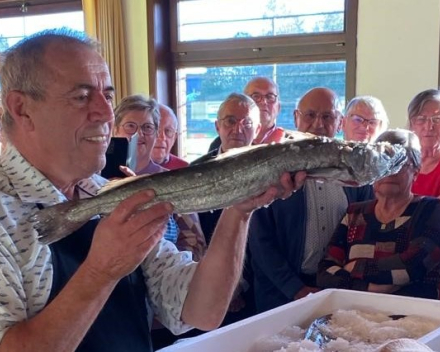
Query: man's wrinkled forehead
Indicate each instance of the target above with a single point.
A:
(78, 61)
(259, 86)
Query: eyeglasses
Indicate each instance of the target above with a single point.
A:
(168, 132)
(147, 129)
(231, 122)
(359, 120)
(326, 117)
(270, 97)
(421, 120)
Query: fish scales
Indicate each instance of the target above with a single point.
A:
(232, 178)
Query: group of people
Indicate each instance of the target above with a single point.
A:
(101, 287)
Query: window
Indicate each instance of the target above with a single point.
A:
(18, 20)
(217, 46)
(209, 20)
(204, 89)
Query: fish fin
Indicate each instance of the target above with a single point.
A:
(54, 223)
(119, 182)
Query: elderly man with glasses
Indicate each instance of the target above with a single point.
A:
(264, 91)
(288, 239)
(166, 137)
(238, 123)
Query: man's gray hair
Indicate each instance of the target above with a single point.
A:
(137, 103)
(24, 68)
(241, 99)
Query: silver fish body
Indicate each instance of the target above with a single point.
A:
(232, 178)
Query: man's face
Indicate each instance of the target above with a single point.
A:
(72, 124)
(166, 137)
(237, 126)
(317, 114)
(265, 94)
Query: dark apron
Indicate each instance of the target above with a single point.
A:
(122, 324)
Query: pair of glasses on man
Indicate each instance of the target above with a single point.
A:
(168, 132)
(147, 129)
(422, 119)
(359, 120)
(311, 116)
(270, 97)
(231, 122)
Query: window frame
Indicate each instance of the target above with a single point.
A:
(327, 46)
(167, 55)
(39, 7)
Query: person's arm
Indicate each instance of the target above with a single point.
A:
(191, 237)
(217, 274)
(121, 242)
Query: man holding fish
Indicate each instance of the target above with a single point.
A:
(93, 290)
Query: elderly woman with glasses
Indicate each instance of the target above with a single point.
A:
(389, 244)
(424, 120)
(137, 114)
(365, 119)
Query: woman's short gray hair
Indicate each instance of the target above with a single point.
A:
(408, 140)
(137, 103)
(372, 103)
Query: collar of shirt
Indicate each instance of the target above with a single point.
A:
(32, 186)
(267, 134)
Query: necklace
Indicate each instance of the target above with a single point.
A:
(385, 217)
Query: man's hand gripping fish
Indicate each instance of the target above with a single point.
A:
(232, 178)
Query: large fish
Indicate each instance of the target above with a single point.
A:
(232, 178)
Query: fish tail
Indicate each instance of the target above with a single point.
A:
(56, 222)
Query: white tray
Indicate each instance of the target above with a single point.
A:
(240, 337)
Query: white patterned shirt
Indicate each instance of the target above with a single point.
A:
(26, 265)
(326, 205)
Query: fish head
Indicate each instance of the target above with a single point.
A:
(369, 162)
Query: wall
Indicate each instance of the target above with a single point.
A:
(397, 52)
(135, 16)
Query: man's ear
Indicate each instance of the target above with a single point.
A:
(216, 126)
(295, 117)
(17, 104)
(341, 118)
(257, 130)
